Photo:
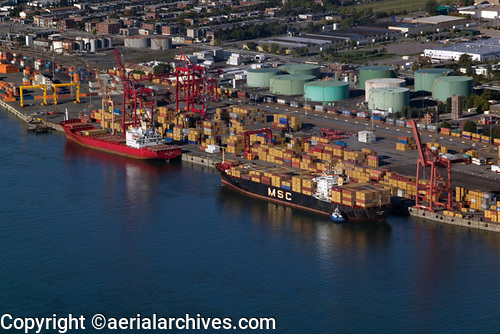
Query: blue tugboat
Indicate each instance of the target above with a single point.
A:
(337, 216)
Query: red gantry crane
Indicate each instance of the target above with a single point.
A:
(246, 137)
(430, 159)
(194, 85)
(134, 95)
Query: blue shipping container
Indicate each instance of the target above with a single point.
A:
(341, 143)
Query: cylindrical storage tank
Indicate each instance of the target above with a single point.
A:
(78, 45)
(375, 72)
(289, 84)
(306, 69)
(109, 42)
(424, 79)
(93, 45)
(445, 87)
(100, 43)
(137, 42)
(326, 91)
(381, 83)
(57, 46)
(161, 43)
(385, 98)
(29, 40)
(260, 77)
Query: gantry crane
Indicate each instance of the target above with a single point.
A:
(107, 102)
(134, 94)
(246, 137)
(431, 159)
(194, 85)
(44, 87)
(70, 84)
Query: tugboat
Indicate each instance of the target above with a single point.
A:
(337, 216)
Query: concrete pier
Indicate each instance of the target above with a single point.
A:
(200, 160)
(473, 222)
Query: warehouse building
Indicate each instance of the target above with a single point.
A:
(478, 51)
(442, 21)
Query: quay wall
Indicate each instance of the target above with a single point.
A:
(465, 222)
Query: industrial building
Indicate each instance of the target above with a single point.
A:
(478, 51)
(442, 21)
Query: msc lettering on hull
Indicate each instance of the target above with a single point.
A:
(279, 194)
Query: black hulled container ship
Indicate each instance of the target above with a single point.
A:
(301, 189)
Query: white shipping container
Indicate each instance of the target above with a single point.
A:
(366, 137)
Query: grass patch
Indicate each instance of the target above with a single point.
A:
(395, 5)
(359, 57)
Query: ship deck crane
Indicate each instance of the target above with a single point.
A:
(430, 159)
(44, 87)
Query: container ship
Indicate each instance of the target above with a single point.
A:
(322, 194)
(138, 143)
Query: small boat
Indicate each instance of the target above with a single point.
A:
(37, 126)
(337, 216)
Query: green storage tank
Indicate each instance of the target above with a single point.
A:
(389, 98)
(306, 69)
(424, 79)
(289, 84)
(260, 77)
(445, 87)
(376, 72)
(326, 91)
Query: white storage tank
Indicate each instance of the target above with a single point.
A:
(161, 43)
(382, 82)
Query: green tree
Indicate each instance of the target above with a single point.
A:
(431, 7)
(274, 48)
(446, 125)
(162, 68)
(252, 46)
(470, 126)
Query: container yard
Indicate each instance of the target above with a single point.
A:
(277, 142)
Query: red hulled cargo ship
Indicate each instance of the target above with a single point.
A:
(322, 194)
(138, 143)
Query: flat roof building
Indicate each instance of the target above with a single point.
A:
(442, 21)
(478, 51)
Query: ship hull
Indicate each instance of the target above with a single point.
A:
(302, 201)
(109, 144)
